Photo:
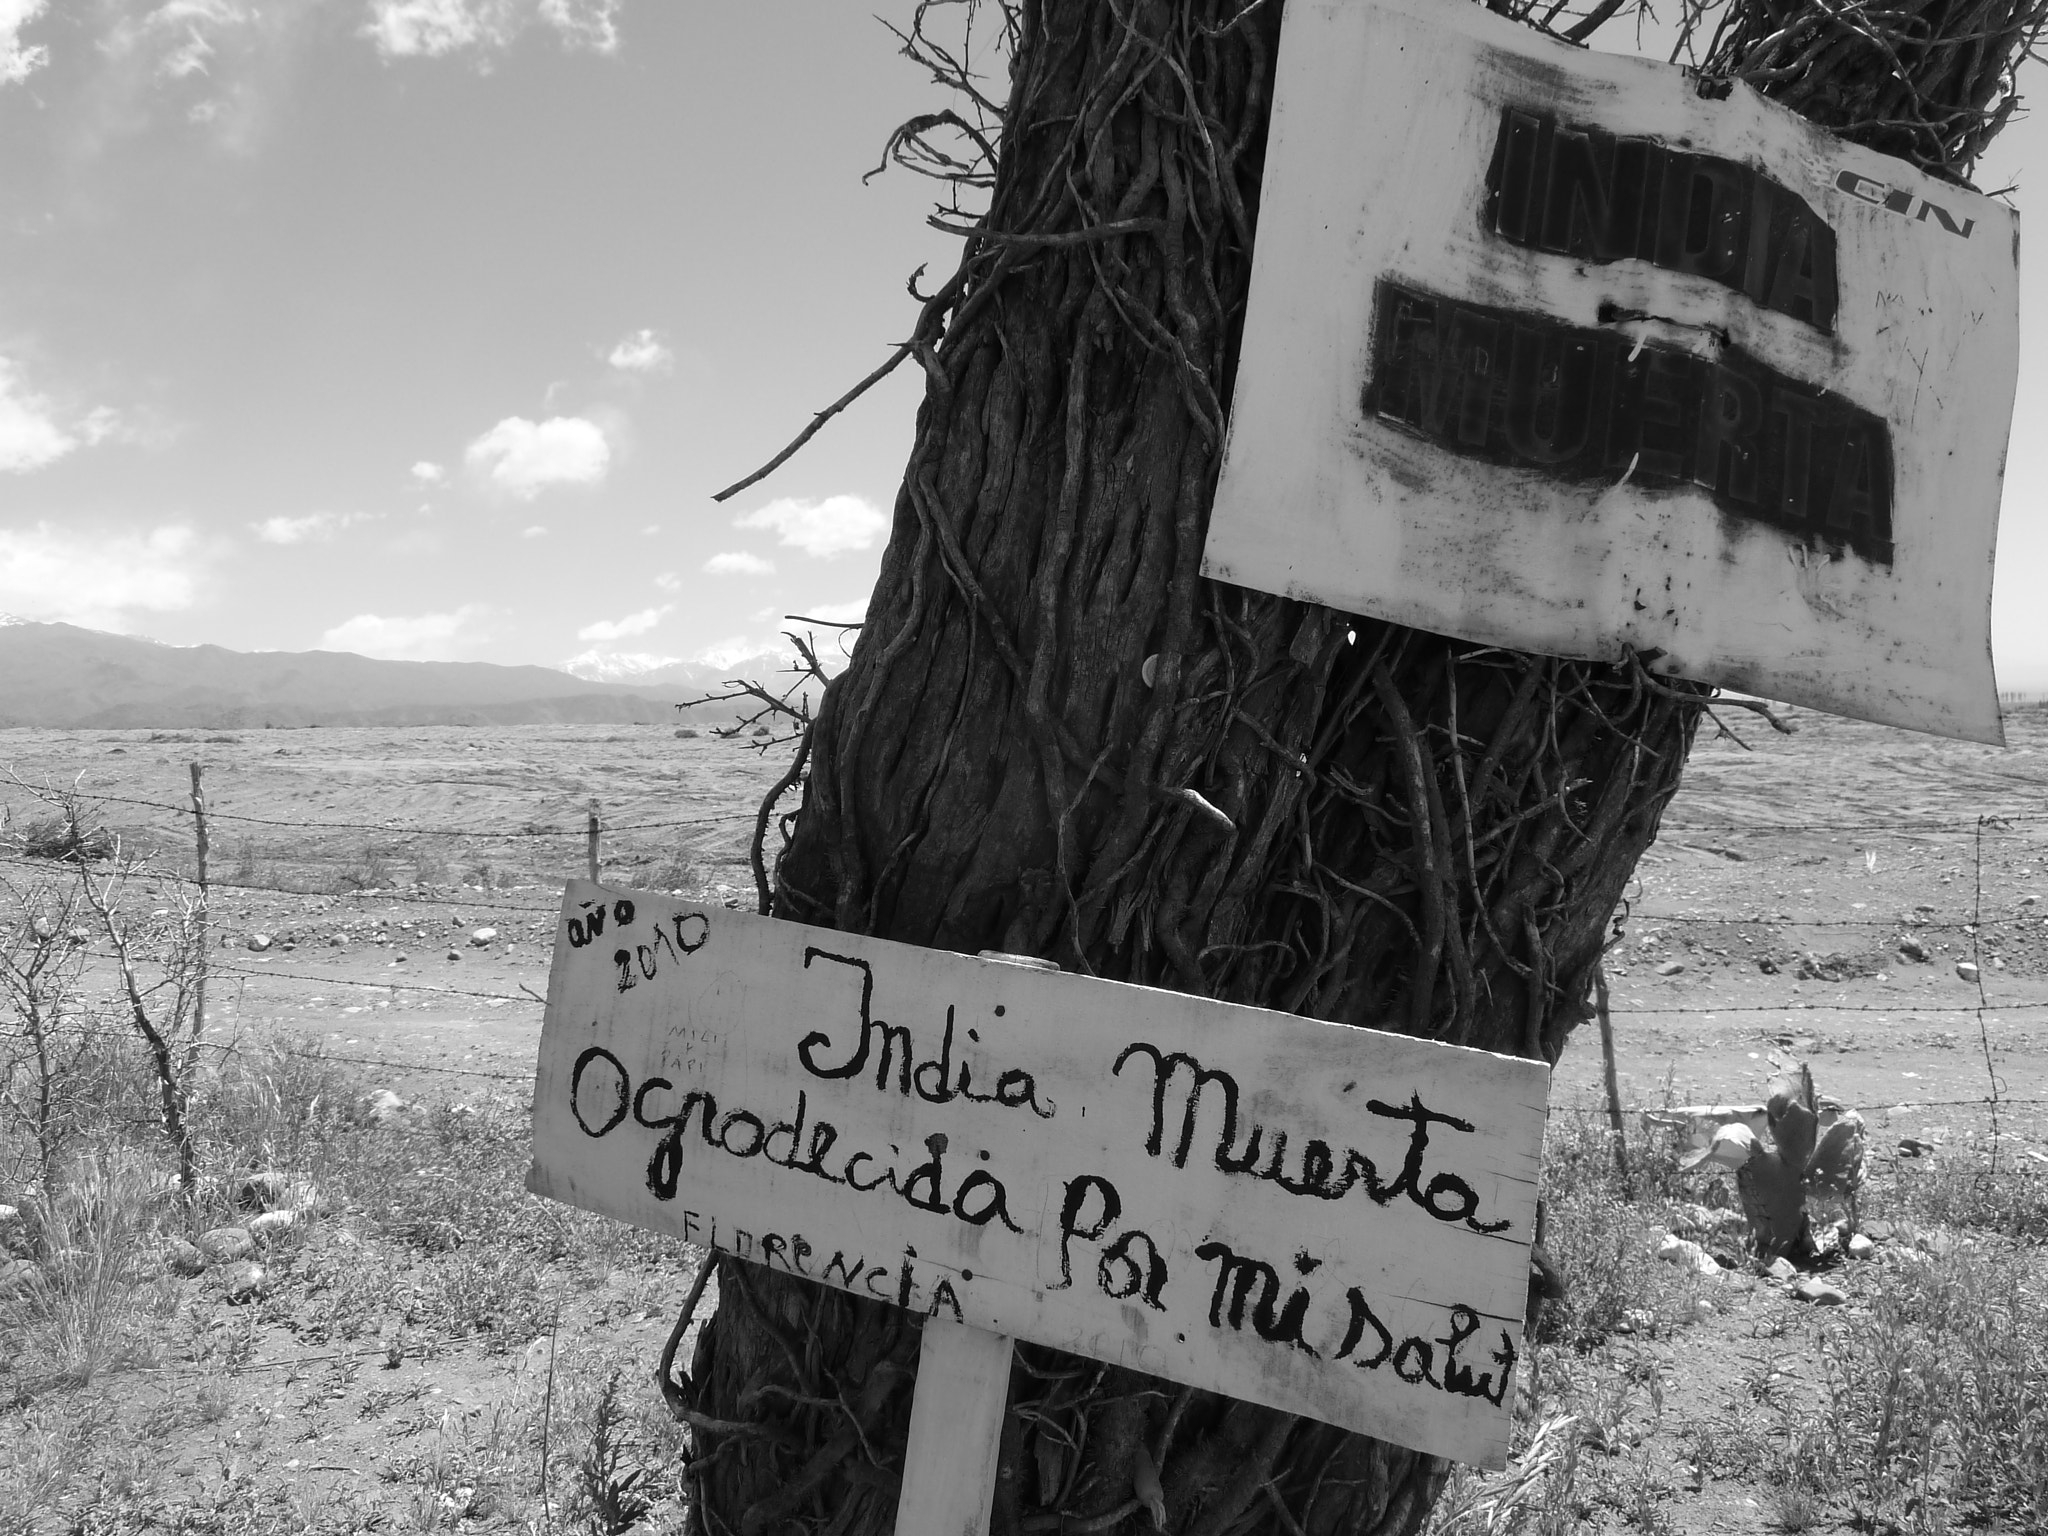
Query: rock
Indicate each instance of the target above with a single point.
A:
(1702, 1309)
(483, 937)
(454, 954)
(227, 1245)
(1781, 1269)
(1819, 1292)
(1911, 948)
(336, 940)
(1860, 1246)
(1671, 968)
(399, 958)
(1767, 965)
(2028, 901)
(245, 1282)
(385, 1105)
(1967, 969)
(78, 937)
(1687, 1255)
(271, 1223)
(181, 1258)
(265, 1191)
(1913, 1146)
(1878, 1231)
(257, 942)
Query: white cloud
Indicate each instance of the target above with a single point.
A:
(738, 562)
(30, 436)
(19, 60)
(522, 457)
(429, 473)
(534, 531)
(826, 528)
(624, 629)
(435, 28)
(669, 581)
(304, 530)
(97, 579)
(642, 352)
(424, 637)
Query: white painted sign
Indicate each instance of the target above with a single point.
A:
(1547, 349)
(1326, 1220)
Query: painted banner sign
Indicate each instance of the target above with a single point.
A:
(1326, 1220)
(1561, 351)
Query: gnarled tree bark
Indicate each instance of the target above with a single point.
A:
(1054, 737)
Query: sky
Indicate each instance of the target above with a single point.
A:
(427, 328)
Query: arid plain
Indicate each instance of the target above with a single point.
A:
(429, 1347)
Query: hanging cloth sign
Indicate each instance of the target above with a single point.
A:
(1568, 352)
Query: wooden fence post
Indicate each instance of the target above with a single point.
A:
(593, 840)
(1613, 1082)
(205, 959)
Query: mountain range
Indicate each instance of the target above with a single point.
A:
(61, 675)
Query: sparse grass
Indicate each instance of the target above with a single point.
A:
(1938, 1412)
(423, 1249)
(371, 872)
(1959, 1188)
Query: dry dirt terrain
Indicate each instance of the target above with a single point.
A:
(425, 1346)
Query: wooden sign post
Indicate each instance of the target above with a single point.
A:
(1325, 1220)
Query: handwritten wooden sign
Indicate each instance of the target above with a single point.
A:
(1565, 351)
(1326, 1220)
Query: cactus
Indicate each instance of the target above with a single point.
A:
(1795, 1161)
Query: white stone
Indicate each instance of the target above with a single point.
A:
(1688, 1255)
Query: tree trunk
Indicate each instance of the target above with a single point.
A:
(1055, 738)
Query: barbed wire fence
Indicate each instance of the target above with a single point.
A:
(314, 863)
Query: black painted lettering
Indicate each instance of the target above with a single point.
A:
(939, 1090)
(1018, 1089)
(795, 1128)
(993, 1203)
(1724, 461)
(749, 1121)
(1459, 1378)
(1164, 1069)
(1073, 1223)
(1590, 406)
(1241, 1280)
(1576, 190)
(847, 1273)
(1362, 1318)
(1412, 1361)
(1133, 1266)
(942, 1296)
(620, 1085)
(925, 1184)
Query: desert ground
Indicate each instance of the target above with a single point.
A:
(421, 1345)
